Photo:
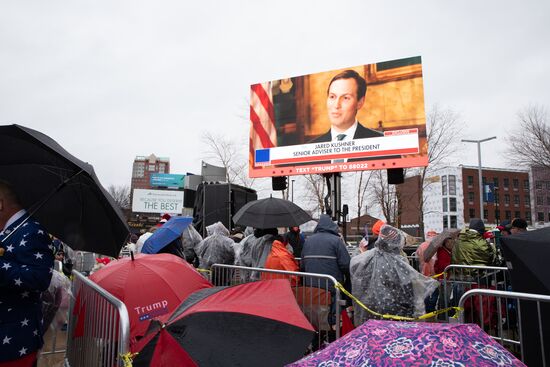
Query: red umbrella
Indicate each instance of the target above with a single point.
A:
(150, 286)
(252, 324)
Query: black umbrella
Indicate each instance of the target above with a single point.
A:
(527, 257)
(61, 191)
(271, 213)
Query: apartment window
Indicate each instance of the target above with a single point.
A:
(517, 214)
(470, 181)
(471, 197)
(525, 185)
(540, 216)
(151, 167)
(495, 181)
(472, 213)
(453, 221)
(162, 167)
(506, 183)
(527, 200)
(445, 206)
(516, 199)
(452, 205)
(445, 221)
(485, 214)
(515, 183)
(506, 199)
(139, 170)
(539, 200)
(508, 214)
(452, 185)
(538, 185)
(444, 185)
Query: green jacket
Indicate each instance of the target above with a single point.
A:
(472, 249)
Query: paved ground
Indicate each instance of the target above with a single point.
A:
(54, 340)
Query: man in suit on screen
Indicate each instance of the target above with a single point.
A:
(345, 97)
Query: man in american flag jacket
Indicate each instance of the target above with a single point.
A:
(26, 265)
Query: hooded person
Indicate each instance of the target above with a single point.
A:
(384, 281)
(471, 248)
(216, 248)
(324, 252)
(190, 240)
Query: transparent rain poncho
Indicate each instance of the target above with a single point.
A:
(383, 280)
(190, 239)
(216, 248)
(254, 252)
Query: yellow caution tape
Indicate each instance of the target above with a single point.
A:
(127, 358)
(400, 318)
(438, 275)
(204, 270)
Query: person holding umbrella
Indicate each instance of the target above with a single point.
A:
(26, 265)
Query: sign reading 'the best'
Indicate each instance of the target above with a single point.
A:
(157, 201)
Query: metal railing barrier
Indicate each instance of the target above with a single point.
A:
(317, 295)
(99, 327)
(509, 328)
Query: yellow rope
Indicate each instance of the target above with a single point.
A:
(127, 358)
(396, 317)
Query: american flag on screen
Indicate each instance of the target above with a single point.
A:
(262, 117)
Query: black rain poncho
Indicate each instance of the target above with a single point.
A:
(217, 248)
(383, 280)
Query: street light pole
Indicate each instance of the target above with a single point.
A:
(292, 190)
(478, 142)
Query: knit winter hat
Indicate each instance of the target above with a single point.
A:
(478, 225)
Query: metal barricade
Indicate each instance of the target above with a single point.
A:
(414, 262)
(457, 279)
(316, 294)
(99, 327)
(508, 330)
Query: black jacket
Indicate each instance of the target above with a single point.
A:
(360, 133)
(324, 252)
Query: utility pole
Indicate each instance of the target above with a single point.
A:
(478, 142)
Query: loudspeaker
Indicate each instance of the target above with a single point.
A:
(396, 176)
(278, 183)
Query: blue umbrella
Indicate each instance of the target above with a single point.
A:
(170, 230)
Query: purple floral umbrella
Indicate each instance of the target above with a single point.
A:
(400, 344)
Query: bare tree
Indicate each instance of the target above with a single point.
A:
(385, 197)
(121, 195)
(444, 132)
(529, 144)
(226, 152)
(315, 192)
(362, 187)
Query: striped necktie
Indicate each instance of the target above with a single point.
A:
(339, 137)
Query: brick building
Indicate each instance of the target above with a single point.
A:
(512, 198)
(144, 167)
(540, 200)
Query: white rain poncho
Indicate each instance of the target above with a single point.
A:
(190, 240)
(216, 248)
(383, 280)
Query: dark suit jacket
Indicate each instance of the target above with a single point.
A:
(360, 133)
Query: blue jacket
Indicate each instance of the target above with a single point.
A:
(324, 252)
(25, 271)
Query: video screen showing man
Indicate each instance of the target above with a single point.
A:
(345, 97)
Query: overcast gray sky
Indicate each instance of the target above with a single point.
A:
(110, 80)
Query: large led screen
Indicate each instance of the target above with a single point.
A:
(358, 118)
